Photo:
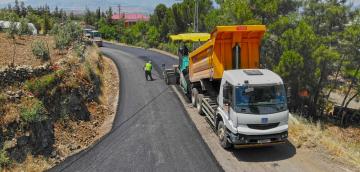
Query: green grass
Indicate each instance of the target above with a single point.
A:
(4, 159)
(35, 112)
(2, 99)
(40, 85)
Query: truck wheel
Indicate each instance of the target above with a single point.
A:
(199, 104)
(221, 132)
(166, 78)
(194, 94)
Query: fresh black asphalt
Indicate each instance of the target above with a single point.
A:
(151, 131)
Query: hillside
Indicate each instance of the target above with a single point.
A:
(50, 110)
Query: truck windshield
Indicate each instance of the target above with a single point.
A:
(260, 99)
(96, 34)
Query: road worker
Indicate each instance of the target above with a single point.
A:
(148, 68)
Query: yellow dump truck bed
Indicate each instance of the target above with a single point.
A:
(216, 55)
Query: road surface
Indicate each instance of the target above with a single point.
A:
(151, 130)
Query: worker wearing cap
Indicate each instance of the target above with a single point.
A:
(148, 68)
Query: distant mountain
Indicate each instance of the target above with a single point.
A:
(142, 6)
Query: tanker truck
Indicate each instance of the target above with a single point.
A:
(245, 105)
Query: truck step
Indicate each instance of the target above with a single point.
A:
(212, 124)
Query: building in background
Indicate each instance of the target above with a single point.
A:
(131, 18)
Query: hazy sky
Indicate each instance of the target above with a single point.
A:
(145, 6)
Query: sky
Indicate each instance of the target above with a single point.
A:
(142, 6)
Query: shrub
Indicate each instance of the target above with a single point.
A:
(142, 44)
(39, 86)
(169, 47)
(80, 50)
(40, 50)
(35, 112)
(24, 28)
(62, 40)
(12, 31)
(67, 34)
(4, 159)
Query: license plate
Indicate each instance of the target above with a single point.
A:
(264, 141)
(264, 120)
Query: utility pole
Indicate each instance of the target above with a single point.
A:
(119, 9)
(196, 16)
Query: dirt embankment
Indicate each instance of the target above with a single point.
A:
(46, 117)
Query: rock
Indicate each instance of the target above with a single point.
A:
(74, 147)
(42, 136)
(21, 73)
(9, 144)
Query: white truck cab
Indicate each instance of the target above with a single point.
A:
(253, 106)
(96, 38)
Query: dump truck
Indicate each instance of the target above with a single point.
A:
(96, 38)
(245, 105)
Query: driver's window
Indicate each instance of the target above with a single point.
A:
(228, 94)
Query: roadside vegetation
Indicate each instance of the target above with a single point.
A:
(341, 143)
(52, 87)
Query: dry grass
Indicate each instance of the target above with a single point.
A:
(31, 164)
(24, 55)
(344, 144)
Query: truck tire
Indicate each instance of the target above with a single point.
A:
(194, 95)
(199, 104)
(222, 133)
(166, 78)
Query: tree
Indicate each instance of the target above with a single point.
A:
(109, 14)
(268, 11)
(238, 11)
(17, 8)
(89, 17)
(160, 19)
(324, 57)
(352, 66)
(12, 31)
(107, 31)
(23, 10)
(72, 16)
(98, 14)
(24, 28)
(290, 69)
(56, 12)
(152, 36)
(45, 23)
